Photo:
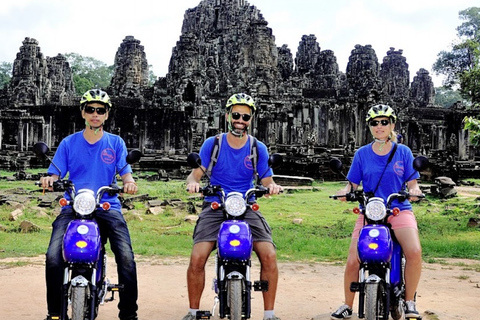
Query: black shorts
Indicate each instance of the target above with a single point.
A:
(209, 221)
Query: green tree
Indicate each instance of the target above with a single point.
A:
(461, 65)
(5, 73)
(88, 72)
(473, 125)
(151, 76)
(446, 97)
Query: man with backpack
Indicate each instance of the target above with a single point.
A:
(232, 160)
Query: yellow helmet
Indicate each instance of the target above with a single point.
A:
(381, 110)
(95, 95)
(241, 98)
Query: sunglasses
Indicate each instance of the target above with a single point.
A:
(91, 110)
(245, 117)
(375, 123)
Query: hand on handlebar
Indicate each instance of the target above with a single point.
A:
(414, 193)
(193, 187)
(274, 188)
(130, 187)
(46, 183)
(340, 195)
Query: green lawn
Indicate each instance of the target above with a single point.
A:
(322, 235)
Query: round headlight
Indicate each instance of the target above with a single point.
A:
(375, 209)
(84, 203)
(235, 204)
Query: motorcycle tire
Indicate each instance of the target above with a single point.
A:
(235, 300)
(374, 301)
(79, 303)
(398, 311)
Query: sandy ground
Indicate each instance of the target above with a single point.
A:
(450, 290)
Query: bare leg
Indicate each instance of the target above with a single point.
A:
(351, 272)
(410, 242)
(269, 271)
(196, 272)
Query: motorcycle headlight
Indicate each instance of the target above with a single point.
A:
(84, 203)
(375, 209)
(235, 204)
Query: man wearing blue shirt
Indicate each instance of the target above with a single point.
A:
(92, 158)
(233, 171)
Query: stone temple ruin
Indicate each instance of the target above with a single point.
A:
(309, 110)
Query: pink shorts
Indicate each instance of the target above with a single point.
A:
(405, 219)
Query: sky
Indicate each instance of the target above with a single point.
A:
(96, 28)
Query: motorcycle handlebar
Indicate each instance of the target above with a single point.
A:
(58, 185)
(210, 190)
(351, 196)
(64, 185)
(259, 192)
(401, 196)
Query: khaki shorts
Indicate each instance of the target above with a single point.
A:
(405, 219)
(209, 221)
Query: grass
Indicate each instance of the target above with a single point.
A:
(323, 234)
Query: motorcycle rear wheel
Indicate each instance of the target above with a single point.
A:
(374, 304)
(235, 300)
(79, 303)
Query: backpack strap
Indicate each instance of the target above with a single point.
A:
(254, 155)
(215, 152)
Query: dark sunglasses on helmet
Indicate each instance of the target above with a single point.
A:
(100, 111)
(245, 117)
(374, 123)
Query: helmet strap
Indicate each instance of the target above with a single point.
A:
(381, 143)
(95, 129)
(232, 129)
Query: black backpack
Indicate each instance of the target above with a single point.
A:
(216, 151)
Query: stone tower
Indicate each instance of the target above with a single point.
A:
(130, 74)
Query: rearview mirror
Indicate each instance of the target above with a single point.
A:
(194, 160)
(40, 149)
(336, 165)
(421, 163)
(275, 160)
(133, 156)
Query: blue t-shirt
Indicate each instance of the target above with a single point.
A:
(91, 166)
(367, 168)
(234, 168)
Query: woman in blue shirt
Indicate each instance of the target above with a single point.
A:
(370, 167)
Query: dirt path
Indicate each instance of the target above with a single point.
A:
(306, 291)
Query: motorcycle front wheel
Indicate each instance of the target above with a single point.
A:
(374, 301)
(79, 303)
(234, 287)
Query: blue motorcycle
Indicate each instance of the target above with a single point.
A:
(381, 284)
(85, 286)
(233, 284)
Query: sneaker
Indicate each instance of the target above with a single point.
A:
(411, 310)
(189, 316)
(273, 318)
(343, 312)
